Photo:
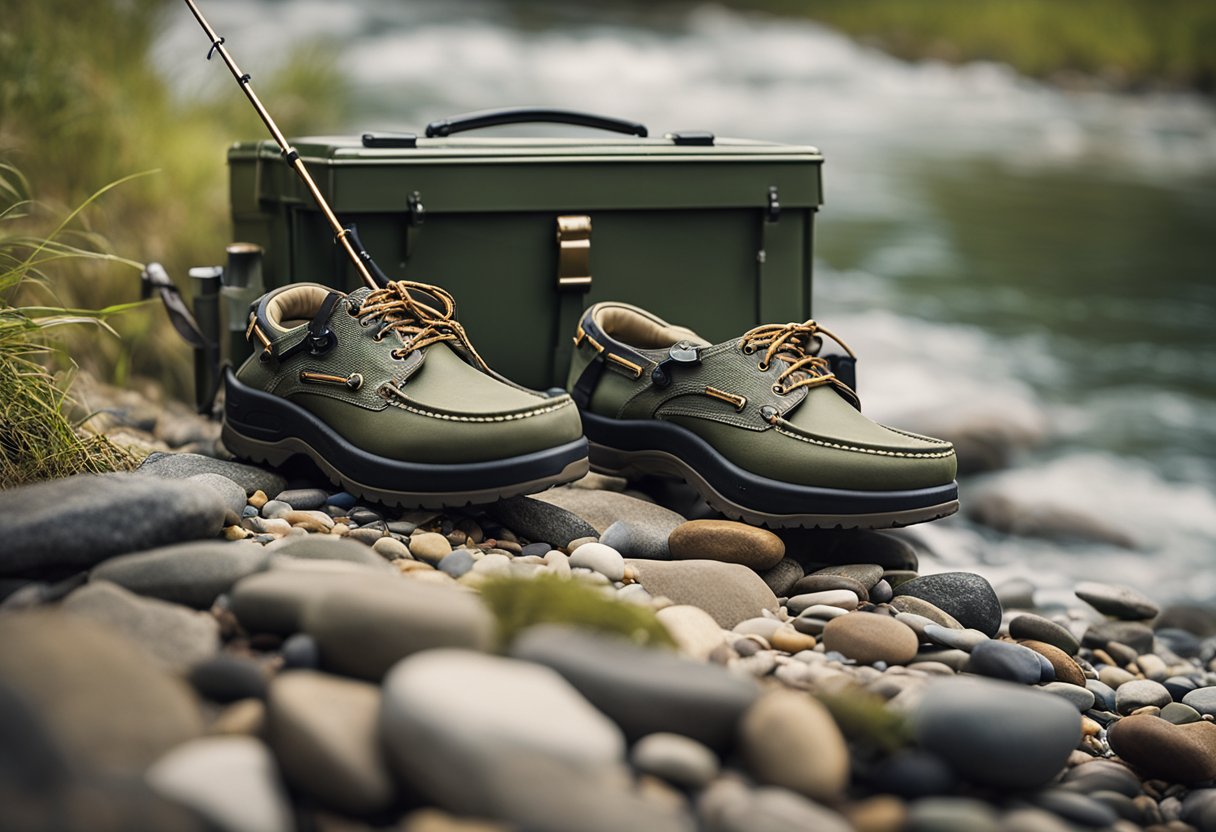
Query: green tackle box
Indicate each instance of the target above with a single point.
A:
(710, 233)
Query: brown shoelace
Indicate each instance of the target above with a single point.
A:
(416, 323)
(789, 343)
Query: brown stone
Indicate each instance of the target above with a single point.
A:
(729, 592)
(867, 574)
(789, 739)
(790, 640)
(1067, 670)
(882, 813)
(1160, 749)
(726, 541)
(868, 638)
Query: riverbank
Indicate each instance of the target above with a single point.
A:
(1125, 45)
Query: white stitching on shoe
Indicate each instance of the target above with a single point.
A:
(930, 439)
(510, 417)
(875, 451)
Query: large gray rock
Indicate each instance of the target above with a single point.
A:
(643, 690)
(498, 738)
(178, 637)
(274, 601)
(996, 733)
(729, 592)
(603, 508)
(232, 781)
(323, 730)
(964, 595)
(536, 520)
(74, 523)
(362, 628)
(228, 491)
(327, 547)
(183, 466)
(193, 574)
(108, 704)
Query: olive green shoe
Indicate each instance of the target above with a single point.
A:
(384, 392)
(760, 425)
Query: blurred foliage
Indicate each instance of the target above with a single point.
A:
(1129, 44)
(864, 718)
(547, 599)
(36, 440)
(81, 103)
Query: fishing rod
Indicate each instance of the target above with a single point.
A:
(345, 235)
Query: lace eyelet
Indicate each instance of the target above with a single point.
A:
(396, 355)
(352, 310)
(762, 366)
(779, 390)
(748, 349)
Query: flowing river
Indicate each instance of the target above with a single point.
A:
(1006, 257)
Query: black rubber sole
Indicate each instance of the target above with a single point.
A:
(267, 428)
(650, 447)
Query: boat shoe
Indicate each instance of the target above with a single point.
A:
(384, 392)
(759, 425)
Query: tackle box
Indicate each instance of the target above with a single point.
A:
(711, 233)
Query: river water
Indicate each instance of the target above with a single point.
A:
(1002, 254)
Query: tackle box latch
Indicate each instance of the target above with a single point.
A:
(574, 252)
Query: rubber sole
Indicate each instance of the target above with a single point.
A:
(638, 448)
(265, 428)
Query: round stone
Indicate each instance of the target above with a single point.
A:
(996, 734)
(869, 637)
(789, 640)
(1202, 700)
(1117, 601)
(539, 549)
(1133, 634)
(430, 547)
(1005, 660)
(727, 541)
(303, 499)
(227, 678)
(789, 739)
(390, 548)
(1158, 748)
(967, 597)
(1038, 628)
(1139, 693)
(881, 592)
(1180, 714)
(916, 606)
(300, 650)
(600, 558)
(676, 759)
(1080, 696)
(457, 563)
(866, 574)
(824, 583)
(845, 599)
(232, 494)
(965, 640)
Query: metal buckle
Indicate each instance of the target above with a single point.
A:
(574, 252)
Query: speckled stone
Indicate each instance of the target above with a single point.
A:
(967, 597)
(869, 637)
(181, 466)
(782, 577)
(727, 541)
(540, 520)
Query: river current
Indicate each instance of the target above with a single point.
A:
(1001, 253)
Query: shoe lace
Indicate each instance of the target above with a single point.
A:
(416, 323)
(794, 345)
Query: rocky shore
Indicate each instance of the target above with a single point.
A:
(203, 644)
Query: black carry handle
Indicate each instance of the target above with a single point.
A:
(527, 115)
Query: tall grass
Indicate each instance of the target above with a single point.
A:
(36, 440)
(81, 102)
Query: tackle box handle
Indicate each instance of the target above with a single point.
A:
(530, 115)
